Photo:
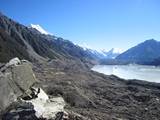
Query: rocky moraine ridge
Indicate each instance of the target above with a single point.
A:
(61, 85)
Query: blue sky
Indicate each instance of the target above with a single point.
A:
(99, 24)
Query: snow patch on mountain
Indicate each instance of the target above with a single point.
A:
(40, 29)
(107, 54)
(116, 50)
(86, 46)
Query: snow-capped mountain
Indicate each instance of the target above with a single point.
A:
(113, 53)
(116, 50)
(99, 54)
(30, 44)
(104, 54)
(40, 29)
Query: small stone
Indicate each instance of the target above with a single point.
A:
(146, 109)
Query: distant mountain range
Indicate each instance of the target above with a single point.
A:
(147, 53)
(36, 44)
(113, 53)
(103, 54)
(143, 53)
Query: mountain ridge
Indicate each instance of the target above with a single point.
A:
(104, 54)
(36, 46)
(142, 53)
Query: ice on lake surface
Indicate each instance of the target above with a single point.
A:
(140, 72)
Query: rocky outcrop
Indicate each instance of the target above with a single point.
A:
(46, 107)
(21, 99)
(16, 79)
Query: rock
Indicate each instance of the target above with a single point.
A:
(16, 79)
(13, 62)
(7, 92)
(23, 77)
(45, 107)
(75, 116)
(21, 99)
(20, 111)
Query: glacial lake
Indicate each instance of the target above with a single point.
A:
(140, 72)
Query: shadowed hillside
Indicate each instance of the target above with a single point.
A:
(143, 53)
(28, 43)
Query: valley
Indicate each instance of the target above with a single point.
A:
(63, 69)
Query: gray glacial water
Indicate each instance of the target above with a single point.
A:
(140, 72)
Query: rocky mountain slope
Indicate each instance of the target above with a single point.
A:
(143, 53)
(17, 40)
(155, 62)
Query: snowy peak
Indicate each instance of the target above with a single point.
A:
(116, 50)
(111, 54)
(40, 29)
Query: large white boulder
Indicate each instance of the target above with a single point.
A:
(45, 107)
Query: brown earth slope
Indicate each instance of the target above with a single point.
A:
(100, 97)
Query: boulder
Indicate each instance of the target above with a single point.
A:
(46, 107)
(13, 62)
(7, 91)
(16, 79)
(20, 111)
(21, 100)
